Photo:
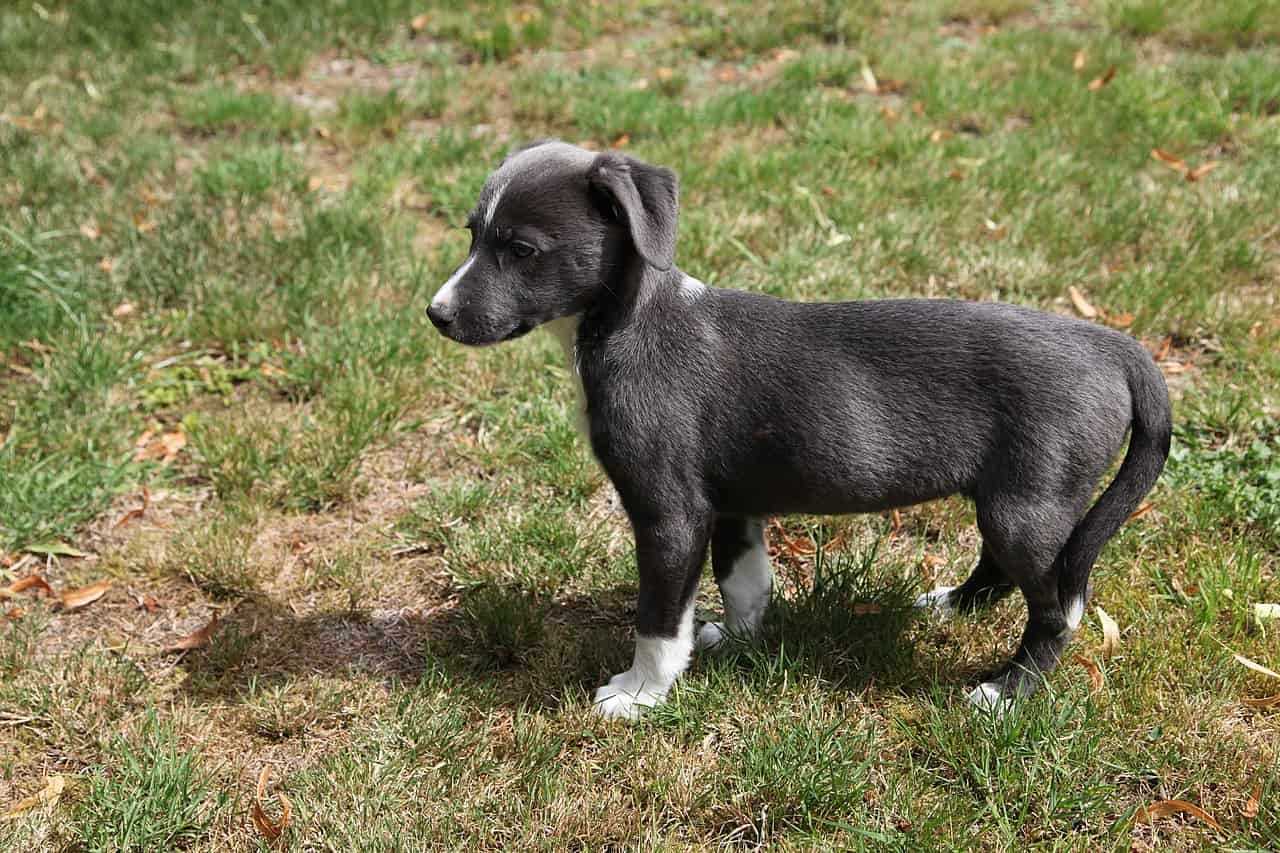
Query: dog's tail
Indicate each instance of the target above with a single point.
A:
(1149, 438)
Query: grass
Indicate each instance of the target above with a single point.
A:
(224, 221)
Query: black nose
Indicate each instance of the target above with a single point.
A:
(441, 315)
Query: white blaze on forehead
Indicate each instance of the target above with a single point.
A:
(539, 159)
(444, 296)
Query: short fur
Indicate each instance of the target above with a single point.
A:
(711, 409)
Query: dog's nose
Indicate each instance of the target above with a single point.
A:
(441, 315)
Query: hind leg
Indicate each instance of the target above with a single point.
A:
(1024, 539)
(986, 585)
(741, 567)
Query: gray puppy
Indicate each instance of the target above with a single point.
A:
(711, 409)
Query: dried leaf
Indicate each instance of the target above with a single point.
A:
(1098, 82)
(107, 264)
(84, 596)
(1255, 799)
(1095, 672)
(869, 81)
(270, 830)
(1077, 64)
(1203, 169)
(59, 549)
(1266, 611)
(1123, 320)
(1110, 634)
(1257, 667)
(1265, 702)
(23, 584)
(1082, 305)
(124, 309)
(89, 229)
(864, 608)
(145, 602)
(622, 141)
(131, 515)
(1141, 511)
(419, 22)
(1175, 163)
(1162, 352)
(46, 796)
(196, 639)
(15, 613)
(1164, 808)
(172, 442)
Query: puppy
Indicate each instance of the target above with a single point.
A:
(712, 409)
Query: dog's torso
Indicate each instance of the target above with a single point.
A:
(765, 406)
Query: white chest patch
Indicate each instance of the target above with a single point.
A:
(691, 289)
(565, 330)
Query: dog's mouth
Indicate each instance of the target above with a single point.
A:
(521, 328)
(476, 338)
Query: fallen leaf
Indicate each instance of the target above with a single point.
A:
(196, 639)
(1265, 702)
(419, 22)
(1175, 163)
(1164, 808)
(84, 596)
(48, 795)
(89, 230)
(1077, 64)
(1256, 667)
(622, 141)
(1095, 672)
(1110, 634)
(124, 309)
(59, 549)
(107, 264)
(173, 442)
(1141, 511)
(143, 224)
(1255, 799)
(1098, 82)
(1123, 320)
(15, 613)
(869, 81)
(1203, 169)
(1266, 611)
(996, 231)
(1082, 305)
(727, 74)
(23, 584)
(864, 608)
(145, 602)
(131, 515)
(1162, 352)
(271, 830)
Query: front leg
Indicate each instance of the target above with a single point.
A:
(669, 552)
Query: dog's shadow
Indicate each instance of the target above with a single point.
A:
(509, 646)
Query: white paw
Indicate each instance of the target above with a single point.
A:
(987, 698)
(937, 600)
(625, 697)
(710, 635)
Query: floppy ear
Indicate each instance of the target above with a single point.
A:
(647, 201)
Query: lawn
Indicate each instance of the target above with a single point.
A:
(385, 568)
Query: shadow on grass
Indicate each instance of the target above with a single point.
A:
(508, 646)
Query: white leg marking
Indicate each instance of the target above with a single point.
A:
(444, 296)
(565, 329)
(657, 664)
(1075, 612)
(938, 600)
(745, 593)
(986, 697)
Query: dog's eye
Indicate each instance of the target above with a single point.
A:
(521, 250)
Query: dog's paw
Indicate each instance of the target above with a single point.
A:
(988, 698)
(625, 697)
(710, 635)
(938, 602)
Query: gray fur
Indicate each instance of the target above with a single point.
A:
(708, 407)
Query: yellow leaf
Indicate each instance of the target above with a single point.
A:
(47, 796)
(1110, 634)
(1082, 305)
(270, 829)
(1255, 799)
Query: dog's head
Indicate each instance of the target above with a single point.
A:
(553, 229)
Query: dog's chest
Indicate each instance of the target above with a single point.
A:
(565, 330)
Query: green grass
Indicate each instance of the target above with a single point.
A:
(225, 220)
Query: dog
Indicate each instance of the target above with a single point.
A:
(712, 409)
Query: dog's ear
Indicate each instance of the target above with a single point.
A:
(646, 199)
